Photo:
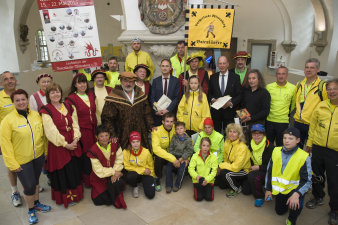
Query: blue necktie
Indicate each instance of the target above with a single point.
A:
(222, 85)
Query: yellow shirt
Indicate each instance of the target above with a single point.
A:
(101, 94)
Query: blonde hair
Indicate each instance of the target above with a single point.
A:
(200, 91)
(238, 129)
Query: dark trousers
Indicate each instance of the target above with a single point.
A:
(109, 196)
(304, 133)
(203, 192)
(170, 168)
(133, 178)
(325, 160)
(222, 118)
(281, 207)
(274, 132)
(30, 174)
(233, 180)
(158, 166)
(254, 184)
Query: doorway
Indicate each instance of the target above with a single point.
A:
(260, 53)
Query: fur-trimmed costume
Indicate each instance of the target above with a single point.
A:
(122, 117)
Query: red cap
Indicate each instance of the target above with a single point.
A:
(134, 136)
(208, 121)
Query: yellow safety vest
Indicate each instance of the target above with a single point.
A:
(288, 180)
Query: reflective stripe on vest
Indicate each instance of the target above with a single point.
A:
(288, 180)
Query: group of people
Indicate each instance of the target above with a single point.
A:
(120, 131)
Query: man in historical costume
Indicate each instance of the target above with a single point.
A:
(137, 56)
(195, 61)
(112, 74)
(177, 61)
(100, 90)
(127, 109)
(242, 60)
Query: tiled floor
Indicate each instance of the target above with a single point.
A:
(175, 208)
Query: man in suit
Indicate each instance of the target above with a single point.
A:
(165, 85)
(221, 84)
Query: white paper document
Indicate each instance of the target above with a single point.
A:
(220, 102)
(162, 103)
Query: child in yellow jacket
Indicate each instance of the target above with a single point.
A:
(139, 164)
(194, 107)
(203, 169)
(236, 160)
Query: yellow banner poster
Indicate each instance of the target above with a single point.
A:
(210, 28)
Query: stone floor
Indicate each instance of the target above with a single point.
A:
(174, 208)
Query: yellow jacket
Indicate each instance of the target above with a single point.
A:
(160, 140)
(140, 58)
(6, 105)
(323, 129)
(311, 101)
(22, 140)
(193, 113)
(178, 66)
(206, 169)
(236, 156)
(113, 79)
(139, 162)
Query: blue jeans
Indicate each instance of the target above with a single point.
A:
(169, 174)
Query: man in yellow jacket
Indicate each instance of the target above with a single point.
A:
(160, 140)
(137, 56)
(323, 143)
(8, 81)
(177, 61)
(309, 92)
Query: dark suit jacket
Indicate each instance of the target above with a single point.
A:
(233, 89)
(173, 92)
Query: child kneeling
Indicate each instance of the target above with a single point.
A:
(139, 164)
(106, 158)
(288, 176)
(203, 169)
(181, 147)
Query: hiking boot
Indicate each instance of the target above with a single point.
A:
(41, 207)
(16, 199)
(32, 218)
(168, 189)
(312, 204)
(333, 219)
(175, 189)
(135, 192)
(259, 202)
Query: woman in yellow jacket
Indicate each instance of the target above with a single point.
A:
(236, 160)
(323, 142)
(139, 164)
(194, 107)
(23, 145)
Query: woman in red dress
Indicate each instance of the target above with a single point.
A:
(64, 151)
(84, 101)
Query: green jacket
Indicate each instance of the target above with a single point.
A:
(217, 144)
(180, 148)
(206, 169)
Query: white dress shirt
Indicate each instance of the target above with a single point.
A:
(225, 80)
(132, 96)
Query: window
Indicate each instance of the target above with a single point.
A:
(41, 46)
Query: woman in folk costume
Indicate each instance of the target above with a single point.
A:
(84, 101)
(107, 161)
(38, 99)
(64, 151)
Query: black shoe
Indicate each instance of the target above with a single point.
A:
(333, 219)
(312, 204)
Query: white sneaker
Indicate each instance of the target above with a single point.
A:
(16, 199)
(135, 192)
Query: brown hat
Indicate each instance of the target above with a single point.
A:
(128, 75)
(95, 72)
(243, 54)
(142, 66)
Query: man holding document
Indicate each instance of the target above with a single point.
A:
(165, 93)
(224, 94)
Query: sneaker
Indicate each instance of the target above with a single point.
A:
(32, 218)
(41, 189)
(168, 189)
(333, 219)
(16, 199)
(259, 202)
(314, 202)
(135, 192)
(41, 207)
(175, 189)
(158, 188)
(288, 222)
(231, 193)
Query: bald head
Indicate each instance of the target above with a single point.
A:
(223, 64)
